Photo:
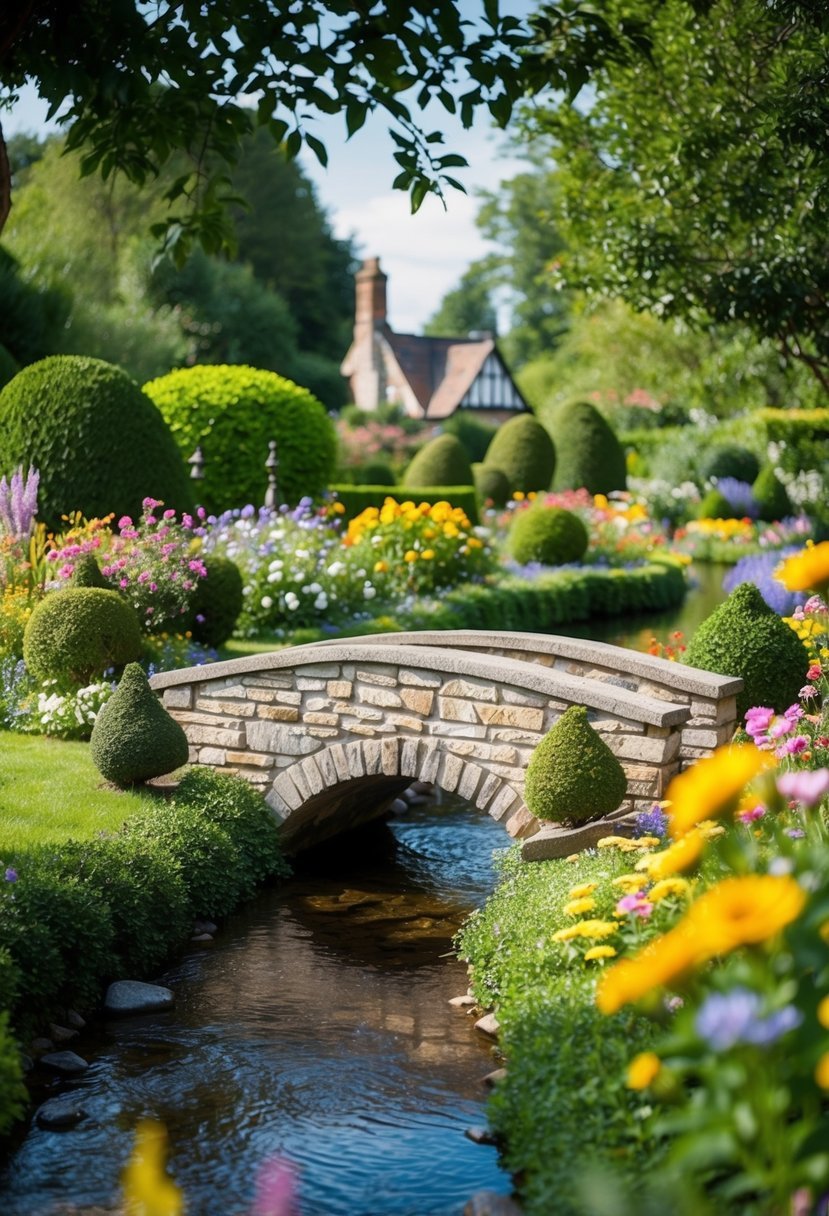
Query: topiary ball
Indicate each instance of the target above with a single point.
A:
(491, 484)
(232, 413)
(441, 462)
(589, 454)
(744, 637)
(523, 450)
(99, 443)
(79, 632)
(573, 776)
(731, 460)
(217, 601)
(714, 505)
(549, 535)
(134, 738)
(771, 496)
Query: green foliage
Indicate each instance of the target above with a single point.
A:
(375, 473)
(714, 505)
(99, 443)
(524, 451)
(474, 433)
(746, 638)
(87, 573)
(770, 494)
(217, 601)
(233, 804)
(9, 979)
(467, 308)
(9, 366)
(79, 632)
(549, 535)
(573, 775)
(31, 317)
(729, 460)
(491, 484)
(441, 462)
(13, 1092)
(356, 498)
(233, 413)
(134, 738)
(589, 454)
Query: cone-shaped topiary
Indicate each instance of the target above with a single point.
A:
(134, 738)
(217, 601)
(714, 505)
(746, 638)
(79, 632)
(441, 462)
(771, 495)
(87, 573)
(491, 484)
(550, 535)
(573, 776)
(731, 460)
(524, 451)
(99, 443)
(589, 454)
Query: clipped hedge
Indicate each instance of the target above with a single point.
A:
(79, 632)
(356, 498)
(491, 484)
(523, 450)
(572, 775)
(100, 444)
(442, 461)
(731, 460)
(134, 738)
(550, 535)
(588, 453)
(232, 412)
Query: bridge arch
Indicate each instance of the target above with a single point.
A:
(332, 731)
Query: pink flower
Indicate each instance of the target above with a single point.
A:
(795, 745)
(187, 520)
(149, 503)
(814, 672)
(758, 720)
(169, 513)
(750, 816)
(635, 904)
(806, 787)
(807, 691)
(794, 713)
(124, 522)
(144, 576)
(124, 582)
(814, 604)
(276, 1189)
(66, 571)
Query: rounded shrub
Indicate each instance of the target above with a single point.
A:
(491, 484)
(217, 601)
(549, 535)
(523, 450)
(771, 496)
(134, 738)
(573, 776)
(731, 460)
(100, 444)
(233, 804)
(79, 632)
(375, 473)
(589, 454)
(232, 413)
(441, 462)
(714, 505)
(744, 637)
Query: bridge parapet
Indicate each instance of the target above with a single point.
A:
(332, 731)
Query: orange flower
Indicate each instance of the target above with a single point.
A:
(643, 1070)
(713, 786)
(661, 961)
(807, 570)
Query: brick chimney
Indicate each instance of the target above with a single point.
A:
(370, 309)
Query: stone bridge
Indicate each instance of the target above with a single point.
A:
(332, 732)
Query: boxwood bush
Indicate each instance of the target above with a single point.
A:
(441, 462)
(550, 535)
(79, 632)
(523, 450)
(589, 454)
(217, 601)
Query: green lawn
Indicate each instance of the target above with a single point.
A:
(51, 791)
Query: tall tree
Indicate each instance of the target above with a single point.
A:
(467, 308)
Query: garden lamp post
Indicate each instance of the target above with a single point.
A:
(196, 462)
(272, 466)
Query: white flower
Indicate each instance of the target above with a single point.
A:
(315, 588)
(291, 601)
(275, 577)
(335, 568)
(266, 601)
(369, 592)
(321, 601)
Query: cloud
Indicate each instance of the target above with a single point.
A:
(424, 255)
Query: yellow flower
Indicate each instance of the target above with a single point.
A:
(643, 1070)
(586, 928)
(410, 556)
(381, 567)
(597, 953)
(577, 907)
(427, 555)
(518, 496)
(148, 1191)
(823, 1013)
(572, 858)
(822, 1071)
(451, 530)
(824, 931)
(681, 855)
(613, 842)
(663, 960)
(474, 543)
(582, 888)
(807, 570)
(600, 501)
(668, 887)
(713, 785)
(744, 911)
(338, 508)
(628, 882)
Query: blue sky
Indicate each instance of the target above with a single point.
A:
(424, 255)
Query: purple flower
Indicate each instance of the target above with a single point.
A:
(635, 904)
(11, 874)
(727, 1019)
(651, 823)
(806, 787)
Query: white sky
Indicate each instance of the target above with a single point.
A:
(424, 255)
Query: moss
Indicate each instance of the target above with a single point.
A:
(441, 462)
(232, 413)
(100, 444)
(525, 453)
(771, 496)
(549, 535)
(491, 484)
(573, 775)
(744, 637)
(589, 454)
(79, 632)
(134, 738)
(217, 601)
(731, 460)
(714, 505)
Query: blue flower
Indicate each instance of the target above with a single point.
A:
(726, 1019)
(651, 823)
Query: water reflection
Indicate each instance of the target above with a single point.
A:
(316, 1027)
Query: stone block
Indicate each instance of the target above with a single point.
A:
(367, 732)
(469, 782)
(221, 688)
(409, 758)
(315, 704)
(339, 688)
(284, 794)
(419, 679)
(279, 739)
(254, 759)
(320, 719)
(390, 757)
(708, 739)
(337, 753)
(471, 688)
(187, 718)
(323, 732)
(449, 773)
(488, 790)
(403, 722)
(356, 763)
(383, 675)
(279, 713)
(325, 763)
(309, 684)
(451, 709)
(214, 736)
(640, 747)
(363, 712)
(503, 802)
(385, 698)
(517, 716)
(512, 696)
(178, 698)
(521, 824)
(301, 782)
(212, 755)
(418, 700)
(372, 757)
(327, 671)
(267, 696)
(460, 730)
(429, 762)
(236, 709)
(270, 679)
(312, 775)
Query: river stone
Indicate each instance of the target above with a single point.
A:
(61, 1034)
(75, 1020)
(462, 1002)
(488, 1024)
(202, 937)
(67, 1063)
(132, 996)
(490, 1203)
(205, 926)
(480, 1135)
(495, 1077)
(40, 1045)
(64, 1111)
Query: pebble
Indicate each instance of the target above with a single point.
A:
(67, 1063)
(462, 1002)
(399, 806)
(202, 937)
(133, 996)
(495, 1077)
(488, 1024)
(64, 1111)
(480, 1135)
(61, 1034)
(40, 1045)
(75, 1020)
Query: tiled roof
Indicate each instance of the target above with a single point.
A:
(438, 370)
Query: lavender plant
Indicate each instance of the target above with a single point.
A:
(18, 504)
